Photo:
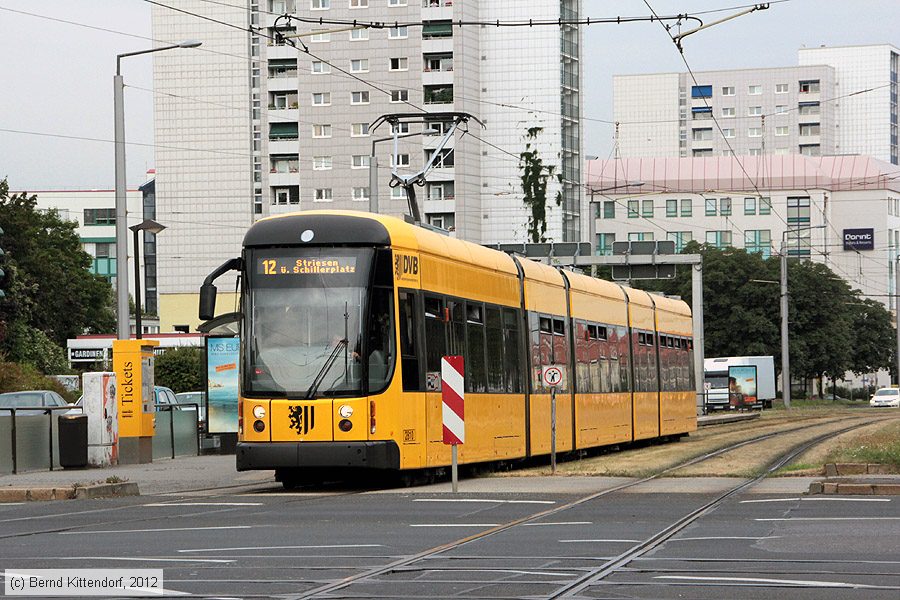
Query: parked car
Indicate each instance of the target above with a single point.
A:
(30, 399)
(165, 397)
(198, 398)
(886, 397)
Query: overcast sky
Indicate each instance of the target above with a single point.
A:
(57, 77)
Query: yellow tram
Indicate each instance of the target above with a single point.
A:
(346, 315)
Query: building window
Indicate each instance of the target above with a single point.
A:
(807, 129)
(323, 195)
(398, 193)
(604, 244)
(360, 161)
(321, 130)
(754, 90)
(286, 195)
(759, 240)
(701, 113)
(283, 131)
(398, 33)
(755, 151)
(100, 216)
(809, 87)
(754, 132)
(446, 221)
(321, 99)
(401, 160)
(810, 150)
(609, 209)
(432, 30)
(687, 207)
(359, 97)
(634, 209)
(320, 37)
(701, 91)
(728, 133)
(781, 130)
(700, 152)
(399, 64)
(399, 95)
(681, 238)
(319, 67)
(749, 205)
(711, 205)
(396, 2)
(647, 208)
(702, 135)
(725, 207)
(728, 111)
(438, 94)
(754, 111)
(359, 3)
(809, 108)
(285, 164)
(358, 35)
(640, 236)
(321, 163)
(319, 4)
(400, 128)
(671, 208)
(440, 191)
(728, 90)
(781, 109)
(765, 206)
(781, 88)
(360, 194)
(359, 130)
(719, 239)
(359, 65)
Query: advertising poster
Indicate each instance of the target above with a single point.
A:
(222, 355)
(742, 387)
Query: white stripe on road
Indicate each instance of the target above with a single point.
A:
(725, 537)
(485, 500)
(833, 519)
(514, 571)
(794, 582)
(281, 547)
(816, 500)
(205, 504)
(157, 530)
(455, 525)
(558, 523)
(139, 559)
(599, 541)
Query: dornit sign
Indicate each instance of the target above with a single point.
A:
(859, 239)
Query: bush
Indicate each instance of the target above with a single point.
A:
(33, 346)
(16, 377)
(180, 369)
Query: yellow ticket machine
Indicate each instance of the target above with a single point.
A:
(133, 364)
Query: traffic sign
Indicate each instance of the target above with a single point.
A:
(552, 376)
(453, 399)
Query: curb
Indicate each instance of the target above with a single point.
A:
(72, 492)
(838, 469)
(854, 488)
(708, 420)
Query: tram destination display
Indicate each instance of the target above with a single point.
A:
(291, 266)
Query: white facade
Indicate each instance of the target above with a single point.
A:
(868, 121)
(811, 109)
(247, 126)
(712, 200)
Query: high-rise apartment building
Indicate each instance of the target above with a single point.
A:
(253, 124)
(838, 101)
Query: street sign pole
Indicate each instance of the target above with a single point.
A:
(454, 472)
(553, 430)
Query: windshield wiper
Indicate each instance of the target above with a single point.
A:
(329, 362)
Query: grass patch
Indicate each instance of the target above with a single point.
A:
(881, 446)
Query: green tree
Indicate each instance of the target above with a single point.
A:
(535, 177)
(180, 369)
(873, 345)
(49, 287)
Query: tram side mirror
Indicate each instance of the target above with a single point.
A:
(207, 301)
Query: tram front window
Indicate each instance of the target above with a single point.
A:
(307, 310)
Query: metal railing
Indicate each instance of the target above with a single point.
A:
(45, 410)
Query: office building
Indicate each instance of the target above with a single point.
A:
(249, 125)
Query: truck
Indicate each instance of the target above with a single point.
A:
(724, 391)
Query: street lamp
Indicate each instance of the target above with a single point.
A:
(122, 325)
(785, 342)
(150, 226)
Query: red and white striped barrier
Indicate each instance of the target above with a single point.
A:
(452, 399)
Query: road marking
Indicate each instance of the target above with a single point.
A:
(558, 523)
(206, 504)
(142, 558)
(816, 500)
(157, 530)
(833, 519)
(514, 571)
(282, 547)
(485, 500)
(794, 582)
(725, 537)
(454, 525)
(598, 541)
(10, 503)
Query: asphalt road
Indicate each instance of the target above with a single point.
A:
(269, 543)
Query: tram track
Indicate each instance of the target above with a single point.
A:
(611, 564)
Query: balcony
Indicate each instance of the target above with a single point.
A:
(438, 94)
(283, 83)
(284, 146)
(282, 179)
(437, 9)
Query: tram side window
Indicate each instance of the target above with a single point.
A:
(380, 338)
(457, 327)
(476, 371)
(494, 324)
(412, 378)
(435, 336)
(560, 349)
(512, 370)
(583, 358)
(653, 373)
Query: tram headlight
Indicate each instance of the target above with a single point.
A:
(345, 411)
(259, 412)
(345, 425)
(259, 426)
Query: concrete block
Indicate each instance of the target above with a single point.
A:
(831, 470)
(877, 469)
(816, 487)
(856, 489)
(829, 488)
(12, 495)
(107, 490)
(852, 468)
(886, 489)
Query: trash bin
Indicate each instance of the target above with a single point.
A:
(73, 441)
